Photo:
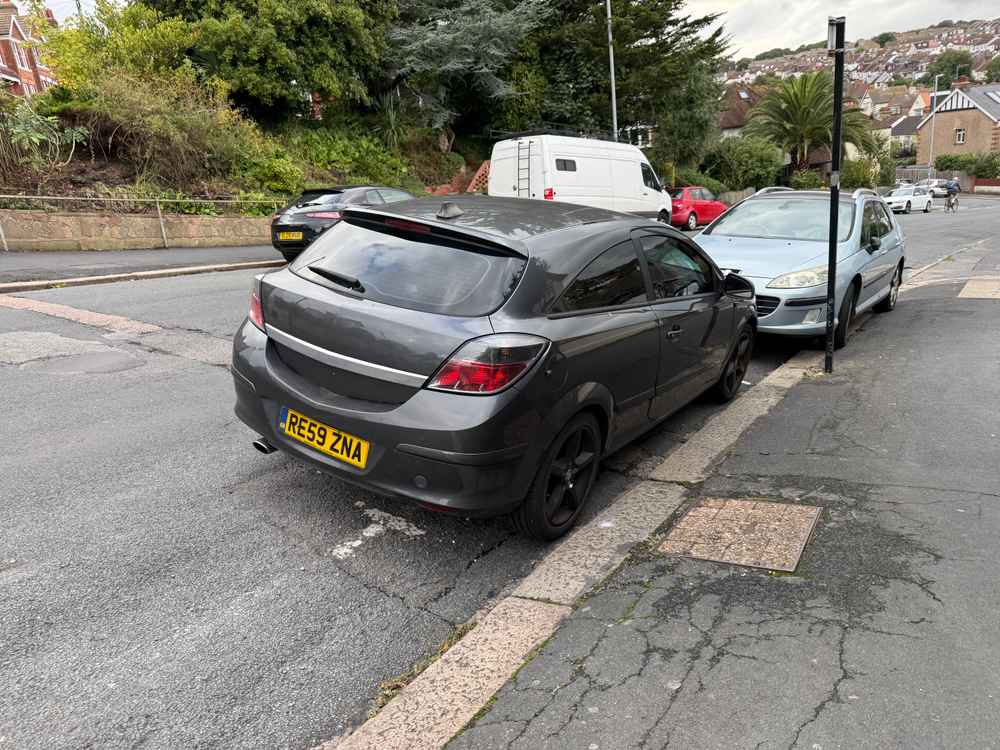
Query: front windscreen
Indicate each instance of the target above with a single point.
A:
(791, 218)
(413, 271)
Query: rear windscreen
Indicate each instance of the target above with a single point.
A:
(413, 272)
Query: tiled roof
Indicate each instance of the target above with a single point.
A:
(907, 125)
(987, 97)
(7, 15)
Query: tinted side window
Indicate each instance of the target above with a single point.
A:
(649, 177)
(612, 278)
(675, 269)
(390, 195)
(372, 197)
(566, 165)
(707, 195)
(884, 220)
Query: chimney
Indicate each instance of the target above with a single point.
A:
(51, 17)
(961, 83)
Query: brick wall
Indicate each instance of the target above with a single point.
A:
(39, 230)
(980, 134)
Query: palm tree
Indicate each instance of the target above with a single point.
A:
(797, 116)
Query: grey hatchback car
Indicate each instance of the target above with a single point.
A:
(481, 356)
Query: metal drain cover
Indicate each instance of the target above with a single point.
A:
(755, 533)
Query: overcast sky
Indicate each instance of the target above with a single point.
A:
(758, 25)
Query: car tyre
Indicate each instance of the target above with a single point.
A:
(889, 303)
(563, 482)
(663, 218)
(906, 209)
(736, 366)
(847, 309)
(692, 221)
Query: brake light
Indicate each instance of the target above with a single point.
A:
(256, 312)
(549, 194)
(408, 226)
(324, 215)
(489, 364)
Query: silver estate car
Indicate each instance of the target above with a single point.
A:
(779, 241)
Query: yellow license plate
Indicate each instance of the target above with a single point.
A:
(289, 235)
(332, 442)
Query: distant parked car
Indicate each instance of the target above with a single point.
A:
(481, 356)
(695, 205)
(779, 242)
(908, 197)
(936, 187)
(295, 226)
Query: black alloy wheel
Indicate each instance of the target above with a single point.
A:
(736, 366)
(663, 218)
(563, 481)
(889, 303)
(846, 317)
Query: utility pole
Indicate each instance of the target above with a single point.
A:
(79, 10)
(930, 156)
(835, 48)
(611, 66)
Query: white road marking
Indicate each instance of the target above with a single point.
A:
(381, 522)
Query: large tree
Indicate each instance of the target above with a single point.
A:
(993, 70)
(275, 54)
(797, 116)
(950, 64)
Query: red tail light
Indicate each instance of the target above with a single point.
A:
(549, 194)
(256, 312)
(489, 364)
(324, 215)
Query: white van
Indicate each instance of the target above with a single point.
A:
(603, 174)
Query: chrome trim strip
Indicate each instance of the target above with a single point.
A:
(343, 362)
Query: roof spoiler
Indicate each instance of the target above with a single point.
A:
(402, 225)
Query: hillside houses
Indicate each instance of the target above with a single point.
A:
(907, 57)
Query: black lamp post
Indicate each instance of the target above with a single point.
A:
(835, 48)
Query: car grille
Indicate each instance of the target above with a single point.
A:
(766, 305)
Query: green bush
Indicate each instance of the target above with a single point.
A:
(985, 165)
(350, 156)
(688, 176)
(275, 173)
(744, 162)
(856, 173)
(806, 179)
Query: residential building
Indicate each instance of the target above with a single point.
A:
(21, 67)
(737, 101)
(903, 134)
(966, 121)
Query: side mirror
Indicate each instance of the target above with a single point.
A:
(736, 286)
(874, 244)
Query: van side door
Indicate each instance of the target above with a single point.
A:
(696, 318)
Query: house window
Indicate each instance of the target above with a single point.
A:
(566, 165)
(18, 57)
(959, 136)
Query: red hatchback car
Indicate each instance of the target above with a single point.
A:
(694, 205)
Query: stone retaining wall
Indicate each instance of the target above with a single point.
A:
(41, 230)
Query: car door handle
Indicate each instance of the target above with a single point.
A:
(674, 332)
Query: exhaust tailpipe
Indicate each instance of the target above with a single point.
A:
(263, 446)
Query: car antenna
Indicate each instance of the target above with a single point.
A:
(449, 210)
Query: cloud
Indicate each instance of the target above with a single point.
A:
(758, 25)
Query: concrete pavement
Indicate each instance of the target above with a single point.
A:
(885, 636)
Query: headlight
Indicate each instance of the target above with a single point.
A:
(800, 279)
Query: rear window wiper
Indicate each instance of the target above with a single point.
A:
(339, 278)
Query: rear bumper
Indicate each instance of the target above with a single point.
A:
(472, 455)
(679, 216)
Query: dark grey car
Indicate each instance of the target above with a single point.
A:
(481, 356)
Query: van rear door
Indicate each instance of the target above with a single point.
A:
(627, 184)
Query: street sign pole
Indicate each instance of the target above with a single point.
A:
(611, 68)
(835, 47)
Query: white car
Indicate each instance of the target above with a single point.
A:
(907, 198)
(936, 187)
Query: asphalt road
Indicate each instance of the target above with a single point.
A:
(164, 585)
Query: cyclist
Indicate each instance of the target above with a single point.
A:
(951, 202)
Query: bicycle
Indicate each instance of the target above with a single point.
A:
(951, 203)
